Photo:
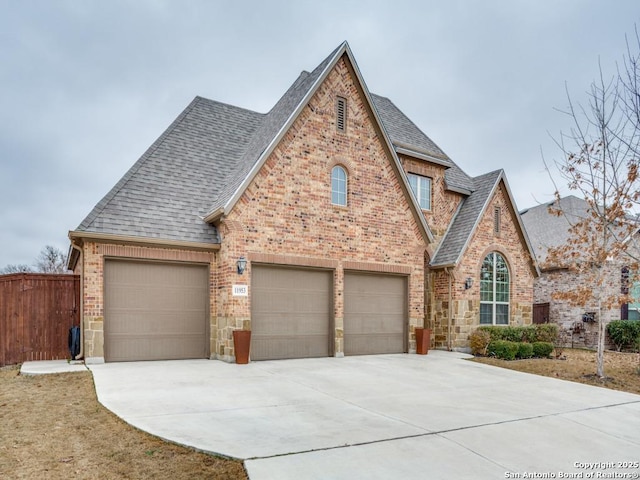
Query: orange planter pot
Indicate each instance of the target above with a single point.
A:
(242, 345)
(423, 340)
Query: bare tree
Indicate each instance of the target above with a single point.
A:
(51, 260)
(600, 162)
(15, 268)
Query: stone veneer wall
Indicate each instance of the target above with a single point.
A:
(569, 317)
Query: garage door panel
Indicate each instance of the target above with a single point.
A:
(375, 314)
(155, 311)
(159, 346)
(290, 313)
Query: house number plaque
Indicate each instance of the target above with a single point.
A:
(241, 290)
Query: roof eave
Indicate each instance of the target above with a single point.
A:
(79, 235)
(420, 155)
(462, 191)
(214, 215)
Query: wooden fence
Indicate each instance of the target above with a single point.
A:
(36, 313)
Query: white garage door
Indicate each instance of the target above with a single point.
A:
(155, 311)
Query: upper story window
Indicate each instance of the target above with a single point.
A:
(341, 114)
(339, 185)
(494, 290)
(421, 187)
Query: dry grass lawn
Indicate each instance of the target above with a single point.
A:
(622, 370)
(52, 426)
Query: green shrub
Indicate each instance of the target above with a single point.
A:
(624, 333)
(494, 332)
(479, 341)
(503, 349)
(545, 332)
(525, 350)
(512, 334)
(542, 349)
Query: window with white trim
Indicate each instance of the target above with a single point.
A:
(494, 290)
(339, 186)
(421, 187)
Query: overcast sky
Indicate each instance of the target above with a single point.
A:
(87, 86)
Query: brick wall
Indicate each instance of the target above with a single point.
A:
(287, 212)
(464, 310)
(444, 203)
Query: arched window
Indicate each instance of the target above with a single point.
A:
(338, 185)
(494, 290)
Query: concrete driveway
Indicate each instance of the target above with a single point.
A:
(387, 416)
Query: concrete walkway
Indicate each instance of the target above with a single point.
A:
(52, 366)
(388, 416)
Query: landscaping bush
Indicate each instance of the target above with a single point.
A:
(624, 333)
(542, 349)
(545, 332)
(503, 349)
(479, 341)
(525, 350)
(494, 332)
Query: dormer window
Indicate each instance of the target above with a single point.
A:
(421, 187)
(341, 114)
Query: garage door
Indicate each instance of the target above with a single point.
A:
(375, 314)
(290, 313)
(155, 311)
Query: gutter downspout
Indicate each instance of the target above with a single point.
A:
(81, 353)
(450, 309)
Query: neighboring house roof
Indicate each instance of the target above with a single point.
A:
(547, 230)
(465, 221)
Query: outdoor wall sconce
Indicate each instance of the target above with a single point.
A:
(468, 283)
(242, 265)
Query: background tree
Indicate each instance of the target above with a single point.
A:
(15, 268)
(600, 161)
(50, 260)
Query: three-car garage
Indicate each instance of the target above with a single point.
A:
(160, 311)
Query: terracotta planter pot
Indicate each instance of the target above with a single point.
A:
(242, 345)
(423, 340)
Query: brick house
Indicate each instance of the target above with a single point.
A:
(547, 230)
(329, 226)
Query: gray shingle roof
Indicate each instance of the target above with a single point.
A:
(269, 128)
(199, 163)
(402, 131)
(455, 240)
(167, 191)
(546, 230)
